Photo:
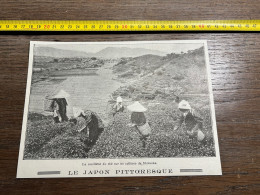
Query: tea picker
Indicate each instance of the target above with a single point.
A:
(92, 124)
(58, 105)
(118, 107)
(191, 121)
(138, 120)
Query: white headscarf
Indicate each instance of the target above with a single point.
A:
(119, 99)
(77, 112)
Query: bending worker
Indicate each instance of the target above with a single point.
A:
(93, 125)
(138, 120)
(191, 121)
(59, 106)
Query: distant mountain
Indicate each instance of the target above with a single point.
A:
(59, 53)
(120, 52)
(109, 52)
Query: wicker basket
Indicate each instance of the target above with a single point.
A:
(145, 129)
(48, 105)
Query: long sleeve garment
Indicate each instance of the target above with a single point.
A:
(138, 118)
(191, 120)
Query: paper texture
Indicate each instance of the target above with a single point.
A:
(114, 109)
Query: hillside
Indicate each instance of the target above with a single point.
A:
(133, 67)
(152, 77)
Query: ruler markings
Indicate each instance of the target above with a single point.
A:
(63, 25)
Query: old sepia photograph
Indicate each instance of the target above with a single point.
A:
(119, 101)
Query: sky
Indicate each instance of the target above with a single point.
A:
(93, 48)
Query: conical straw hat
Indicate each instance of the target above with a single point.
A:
(61, 94)
(136, 107)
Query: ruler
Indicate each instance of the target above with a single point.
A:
(113, 25)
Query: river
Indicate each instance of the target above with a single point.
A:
(87, 91)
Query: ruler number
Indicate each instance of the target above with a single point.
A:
(77, 26)
(116, 26)
(61, 26)
(186, 26)
(93, 26)
(147, 26)
(254, 25)
(216, 26)
(178, 26)
(239, 25)
(193, 26)
(53, 26)
(7, 26)
(15, 26)
(124, 26)
(100, 26)
(139, 26)
(108, 26)
(154, 26)
(208, 26)
(162, 26)
(132, 26)
(170, 26)
(247, 25)
(232, 26)
(46, 26)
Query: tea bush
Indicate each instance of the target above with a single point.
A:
(46, 139)
(119, 140)
(40, 130)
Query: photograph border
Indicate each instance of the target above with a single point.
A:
(34, 167)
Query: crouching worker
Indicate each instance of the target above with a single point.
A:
(138, 120)
(118, 107)
(92, 124)
(191, 121)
